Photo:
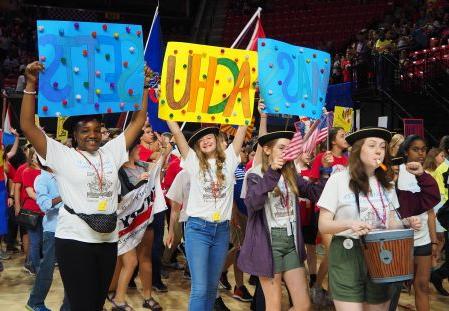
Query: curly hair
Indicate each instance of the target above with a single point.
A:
(359, 179)
(288, 171)
(220, 158)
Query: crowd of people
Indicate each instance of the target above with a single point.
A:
(378, 51)
(224, 203)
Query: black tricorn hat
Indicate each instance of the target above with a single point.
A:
(397, 161)
(274, 135)
(202, 132)
(379, 132)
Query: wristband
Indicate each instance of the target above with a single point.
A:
(29, 92)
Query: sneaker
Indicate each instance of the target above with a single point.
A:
(1, 266)
(224, 283)
(317, 295)
(220, 305)
(252, 280)
(4, 255)
(37, 308)
(29, 269)
(160, 288)
(242, 294)
(438, 284)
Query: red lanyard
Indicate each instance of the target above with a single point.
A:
(285, 201)
(384, 216)
(100, 176)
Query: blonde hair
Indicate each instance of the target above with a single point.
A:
(220, 158)
(396, 140)
(288, 171)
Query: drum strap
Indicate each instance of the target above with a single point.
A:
(357, 201)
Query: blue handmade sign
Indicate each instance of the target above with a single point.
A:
(90, 68)
(292, 80)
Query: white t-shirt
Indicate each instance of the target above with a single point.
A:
(282, 207)
(201, 202)
(79, 186)
(408, 182)
(339, 199)
(179, 192)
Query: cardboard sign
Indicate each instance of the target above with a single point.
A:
(90, 68)
(292, 80)
(343, 117)
(208, 84)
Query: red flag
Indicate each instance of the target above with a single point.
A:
(257, 33)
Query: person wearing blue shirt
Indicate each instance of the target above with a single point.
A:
(49, 201)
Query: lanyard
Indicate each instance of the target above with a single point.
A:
(100, 176)
(384, 216)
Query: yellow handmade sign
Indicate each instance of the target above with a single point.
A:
(209, 84)
(61, 134)
(343, 118)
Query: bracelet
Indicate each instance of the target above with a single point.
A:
(29, 92)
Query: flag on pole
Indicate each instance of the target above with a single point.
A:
(257, 33)
(413, 127)
(153, 59)
(318, 132)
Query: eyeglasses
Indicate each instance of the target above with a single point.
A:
(416, 149)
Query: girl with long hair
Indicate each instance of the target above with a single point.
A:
(211, 172)
(87, 177)
(325, 164)
(273, 248)
(353, 203)
(414, 149)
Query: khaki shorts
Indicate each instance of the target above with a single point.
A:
(348, 275)
(285, 256)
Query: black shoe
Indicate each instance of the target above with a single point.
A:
(252, 280)
(242, 294)
(1, 266)
(160, 288)
(224, 283)
(438, 284)
(220, 306)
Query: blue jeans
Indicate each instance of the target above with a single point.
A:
(206, 247)
(35, 236)
(44, 277)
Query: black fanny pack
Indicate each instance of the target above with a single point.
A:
(102, 223)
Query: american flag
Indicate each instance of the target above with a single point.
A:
(318, 132)
(294, 148)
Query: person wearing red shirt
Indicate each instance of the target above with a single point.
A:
(146, 140)
(326, 163)
(29, 203)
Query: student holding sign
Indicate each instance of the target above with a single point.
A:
(211, 173)
(87, 177)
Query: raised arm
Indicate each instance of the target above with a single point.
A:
(138, 119)
(15, 146)
(263, 129)
(239, 138)
(181, 141)
(33, 133)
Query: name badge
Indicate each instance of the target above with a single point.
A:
(216, 216)
(102, 204)
(348, 243)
